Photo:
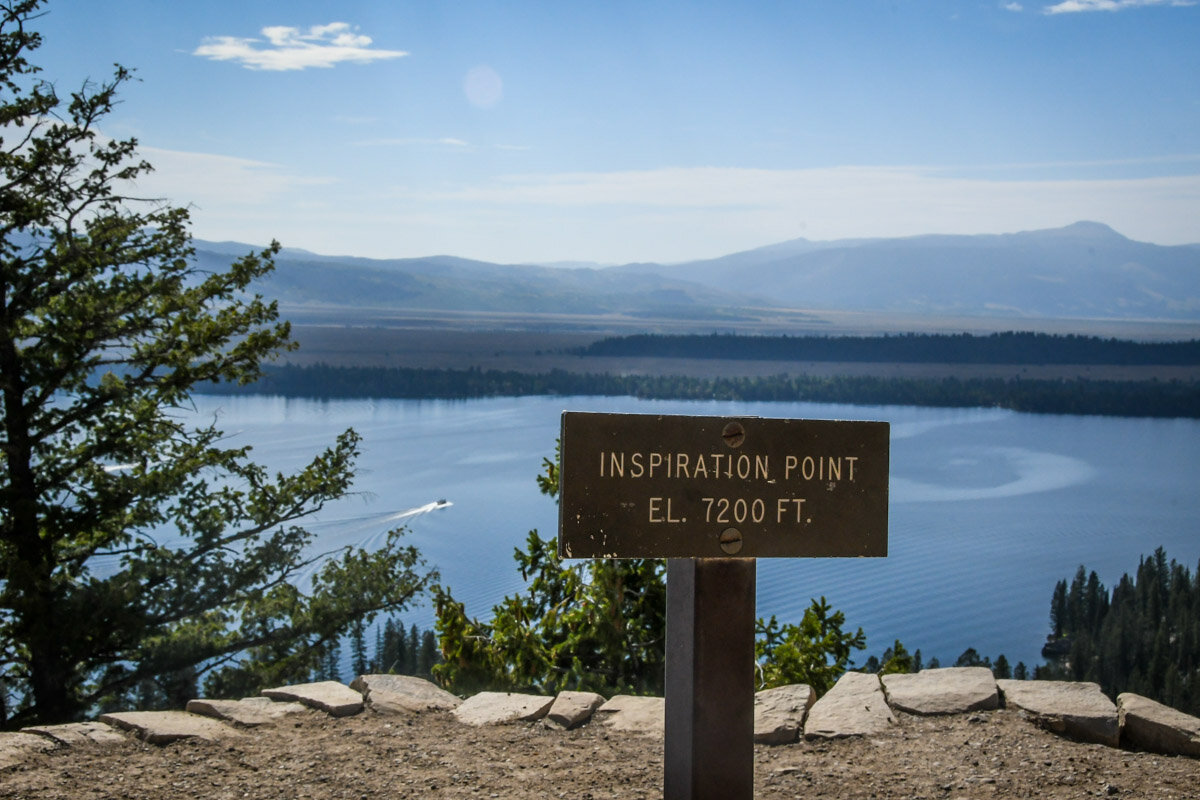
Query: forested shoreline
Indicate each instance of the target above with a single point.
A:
(1142, 637)
(1011, 347)
(1146, 398)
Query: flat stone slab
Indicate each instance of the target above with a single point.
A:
(249, 712)
(953, 690)
(1078, 710)
(162, 727)
(779, 713)
(625, 712)
(403, 694)
(335, 699)
(16, 748)
(1149, 725)
(497, 708)
(572, 709)
(73, 734)
(855, 706)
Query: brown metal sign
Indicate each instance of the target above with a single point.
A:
(649, 486)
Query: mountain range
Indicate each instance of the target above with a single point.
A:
(1084, 270)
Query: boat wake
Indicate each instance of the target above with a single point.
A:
(414, 512)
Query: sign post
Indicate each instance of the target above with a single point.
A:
(712, 494)
(709, 747)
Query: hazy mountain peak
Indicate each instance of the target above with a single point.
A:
(1086, 229)
(1085, 269)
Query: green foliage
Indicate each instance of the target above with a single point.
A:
(896, 659)
(595, 627)
(1001, 667)
(815, 652)
(1143, 638)
(971, 658)
(139, 552)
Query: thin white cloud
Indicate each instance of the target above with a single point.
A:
(204, 180)
(1014, 7)
(288, 48)
(680, 213)
(668, 214)
(1075, 6)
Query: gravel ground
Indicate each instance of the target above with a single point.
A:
(996, 754)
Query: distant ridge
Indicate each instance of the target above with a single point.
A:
(1084, 270)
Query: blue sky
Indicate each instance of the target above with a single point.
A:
(658, 131)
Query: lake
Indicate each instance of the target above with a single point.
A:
(988, 508)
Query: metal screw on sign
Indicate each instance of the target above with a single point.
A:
(731, 541)
(734, 434)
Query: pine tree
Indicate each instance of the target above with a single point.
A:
(1000, 668)
(358, 647)
(1142, 638)
(329, 665)
(412, 650)
(970, 658)
(428, 657)
(1058, 609)
(106, 325)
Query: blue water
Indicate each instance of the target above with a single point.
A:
(988, 508)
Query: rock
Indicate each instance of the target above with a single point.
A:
(626, 712)
(1078, 710)
(779, 713)
(1149, 725)
(161, 727)
(855, 706)
(73, 734)
(249, 712)
(953, 690)
(572, 709)
(335, 699)
(495, 708)
(403, 694)
(15, 748)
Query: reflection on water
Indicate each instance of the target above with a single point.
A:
(1022, 472)
(988, 508)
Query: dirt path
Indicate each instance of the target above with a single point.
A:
(995, 754)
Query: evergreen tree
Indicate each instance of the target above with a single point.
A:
(816, 651)
(1058, 609)
(1142, 638)
(1001, 668)
(389, 655)
(106, 327)
(329, 665)
(896, 659)
(428, 658)
(412, 648)
(970, 658)
(358, 647)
